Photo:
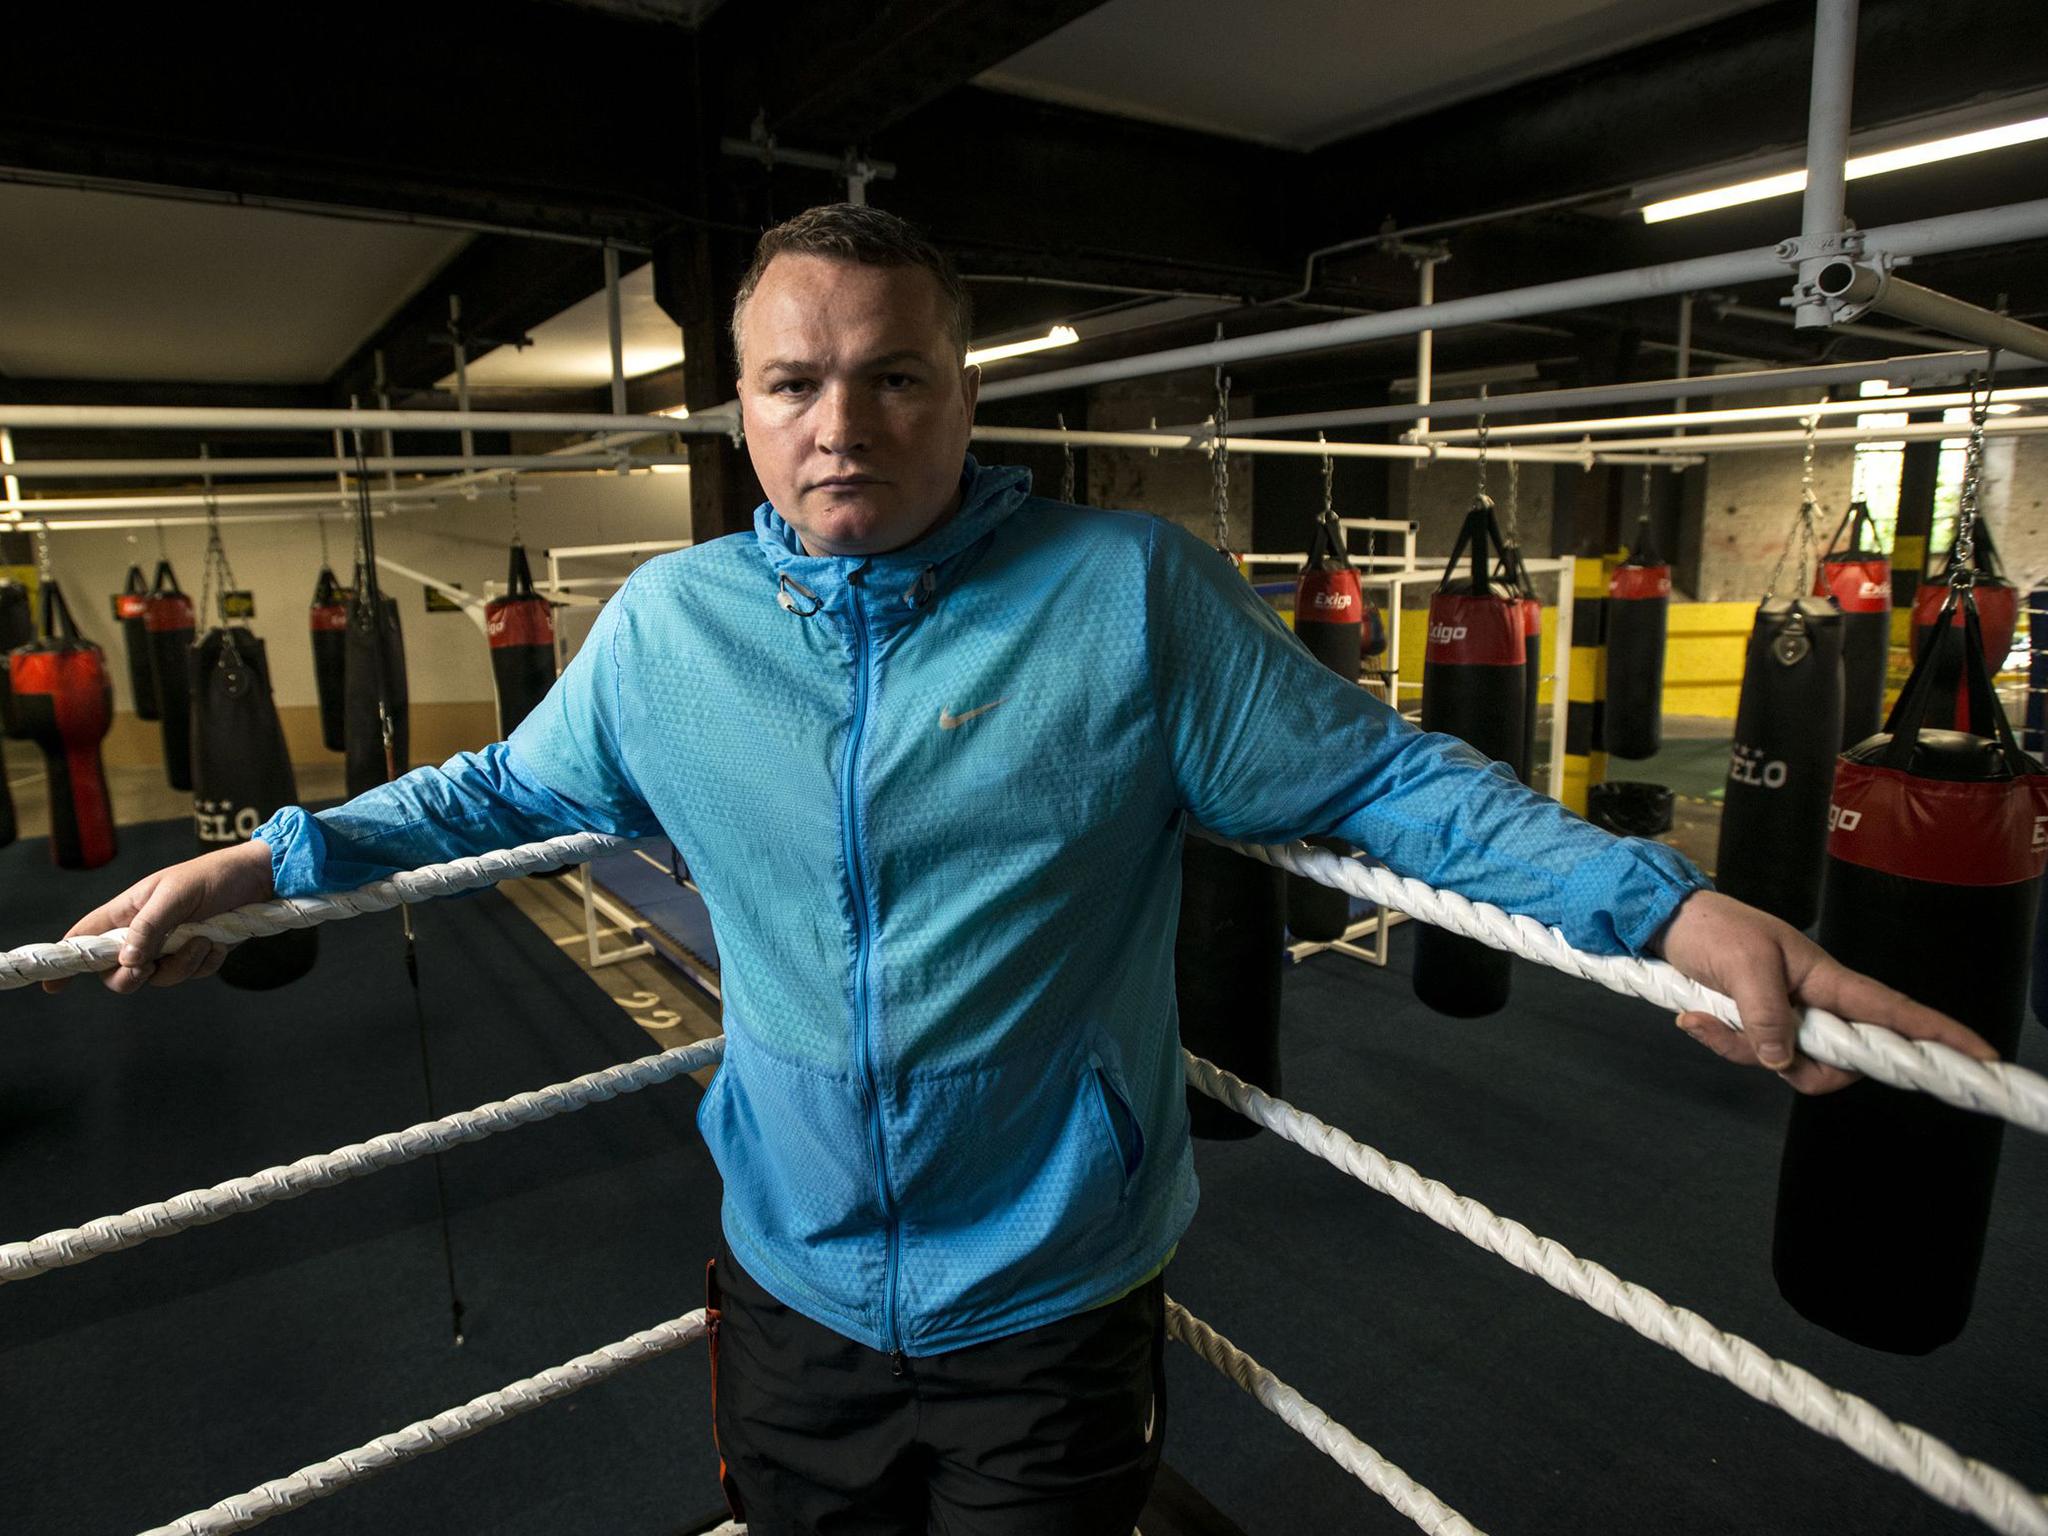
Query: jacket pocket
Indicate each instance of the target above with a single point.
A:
(1119, 1121)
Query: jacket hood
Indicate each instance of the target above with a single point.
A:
(988, 496)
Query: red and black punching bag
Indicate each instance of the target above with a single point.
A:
(1857, 574)
(1329, 618)
(1638, 623)
(1998, 613)
(1516, 573)
(1933, 877)
(242, 774)
(60, 697)
(1788, 729)
(1227, 958)
(521, 629)
(375, 670)
(168, 617)
(131, 610)
(1472, 687)
(327, 618)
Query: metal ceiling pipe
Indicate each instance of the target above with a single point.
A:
(1851, 282)
(60, 506)
(1824, 212)
(1742, 442)
(202, 418)
(1198, 441)
(1937, 365)
(122, 469)
(1798, 411)
(1952, 232)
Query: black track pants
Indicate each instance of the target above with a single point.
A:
(1055, 1431)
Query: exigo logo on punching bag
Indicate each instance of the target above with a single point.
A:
(1341, 601)
(1747, 765)
(221, 821)
(1840, 820)
(1444, 634)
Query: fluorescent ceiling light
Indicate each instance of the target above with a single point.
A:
(1058, 336)
(2027, 132)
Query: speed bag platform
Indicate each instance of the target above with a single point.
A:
(521, 629)
(1472, 688)
(376, 667)
(1788, 728)
(1227, 957)
(327, 621)
(167, 615)
(131, 612)
(1932, 886)
(60, 697)
(242, 775)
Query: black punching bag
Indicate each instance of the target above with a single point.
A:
(17, 627)
(168, 617)
(1226, 975)
(1998, 614)
(521, 629)
(1858, 576)
(60, 697)
(376, 667)
(242, 773)
(1788, 729)
(1933, 878)
(1472, 688)
(131, 610)
(328, 620)
(1638, 623)
(1329, 618)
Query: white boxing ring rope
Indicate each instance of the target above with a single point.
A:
(2001, 1089)
(1993, 1496)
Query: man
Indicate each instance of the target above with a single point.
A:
(928, 745)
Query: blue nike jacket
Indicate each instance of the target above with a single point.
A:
(934, 800)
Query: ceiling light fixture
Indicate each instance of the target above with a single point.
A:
(1058, 336)
(1876, 163)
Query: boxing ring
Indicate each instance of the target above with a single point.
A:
(1998, 1089)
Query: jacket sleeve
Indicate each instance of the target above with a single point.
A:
(561, 772)
(1267, 745)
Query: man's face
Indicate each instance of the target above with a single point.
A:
(857, 408)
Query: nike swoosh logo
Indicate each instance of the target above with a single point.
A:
(1151, 1417)
(948, 721)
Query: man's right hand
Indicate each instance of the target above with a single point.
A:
(155, 905)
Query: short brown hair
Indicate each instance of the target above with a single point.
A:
(855, 232)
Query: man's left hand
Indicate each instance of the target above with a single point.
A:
(1770, 968)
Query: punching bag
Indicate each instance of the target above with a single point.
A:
(242, 774)
(1788, 729)
(168, 617)
(1998, 603)
(60, 697)
(1516, 574)
(521, 629)
(17, 627)
(1226, 975)
(131, 609)
(1933, 878)
(328, 620)
(1638, 620)
(376, 660)
(1472, 673)
(1329, 618)
(1858, 576)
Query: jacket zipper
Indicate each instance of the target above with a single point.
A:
(864, 947)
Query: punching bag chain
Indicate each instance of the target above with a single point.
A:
(1066, 464)
(1482, 440)
(1514, 501)
(514, 492)
(1219, 459)
(44, 575)
(1330, 492)
(216, 576)
(1963, 566)
(1803, 530)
